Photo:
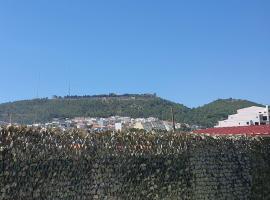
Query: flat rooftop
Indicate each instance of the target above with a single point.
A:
(261, 130)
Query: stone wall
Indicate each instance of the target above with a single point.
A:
(37, 164)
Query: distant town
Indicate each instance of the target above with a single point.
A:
(114, 123)
(250, 116)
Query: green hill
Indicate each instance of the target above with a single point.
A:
(133, 105)
(42, 110)
(209, 114)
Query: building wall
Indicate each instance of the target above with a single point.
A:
(118, 126)
(247, 116)
(138, 125)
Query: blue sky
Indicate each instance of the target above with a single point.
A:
(191, 52)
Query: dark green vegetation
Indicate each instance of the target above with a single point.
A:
(51, 164)
(146, 105)
(209, 114)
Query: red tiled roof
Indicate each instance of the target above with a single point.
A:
(240, 130)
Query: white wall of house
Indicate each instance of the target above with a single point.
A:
(247, 116)
(138, 125)
(118, 126)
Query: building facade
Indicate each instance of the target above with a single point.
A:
(254, 115)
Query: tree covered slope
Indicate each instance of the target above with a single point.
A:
(209, 114)
(43, 110)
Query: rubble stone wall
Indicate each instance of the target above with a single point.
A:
(51, 164)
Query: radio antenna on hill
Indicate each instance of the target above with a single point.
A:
(38, 82)
(69, 88)
(68, 97)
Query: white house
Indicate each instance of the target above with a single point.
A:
(254, 115)
(118, 126)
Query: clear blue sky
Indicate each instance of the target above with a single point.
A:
(191, 52)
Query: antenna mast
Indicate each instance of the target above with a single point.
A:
(38, 85)
(69, 88)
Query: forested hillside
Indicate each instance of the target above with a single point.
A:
(209, 114)
(43, 110)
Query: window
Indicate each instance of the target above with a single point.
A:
(256, 123)
(247, 123)
(264, 118)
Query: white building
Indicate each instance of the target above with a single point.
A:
(247, 116)
(118, 126)
(168, 125)
(103, 122)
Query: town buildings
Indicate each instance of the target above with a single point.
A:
(113, 123)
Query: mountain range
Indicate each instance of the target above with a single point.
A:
(133, 105)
